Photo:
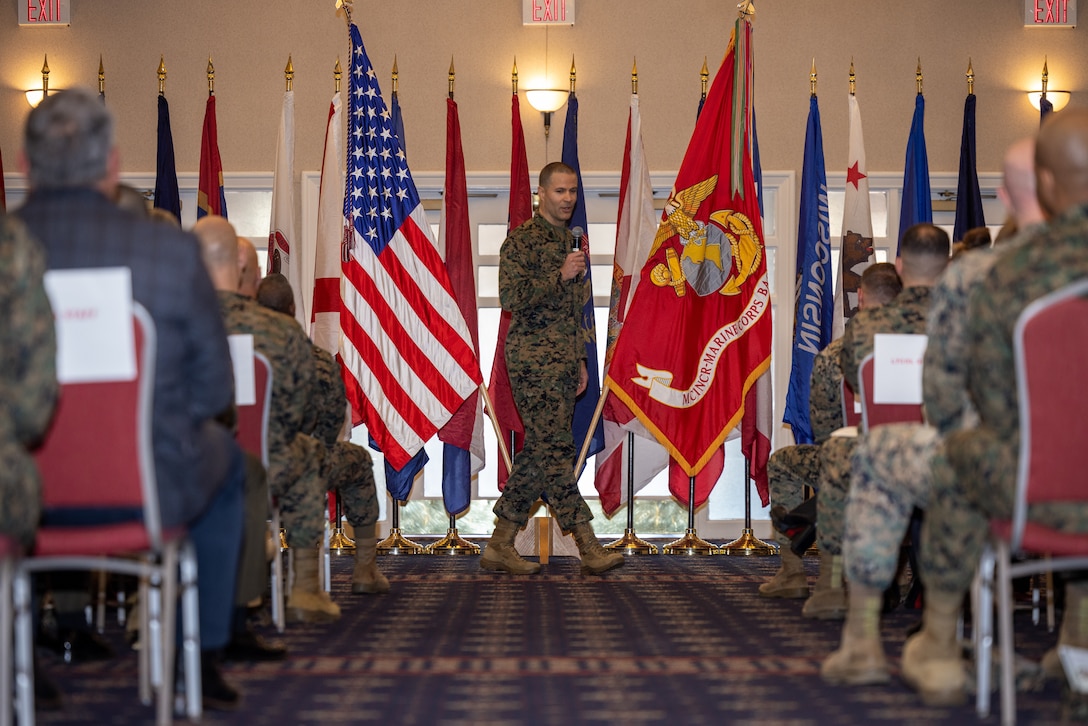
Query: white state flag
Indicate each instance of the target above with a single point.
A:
(284, 247)
(856, 242)
(325, 329)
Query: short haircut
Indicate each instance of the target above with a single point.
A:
(924, 249)
(976, 237)
(275, 293)
(881, 283)
(556, 167)
(130, 198)
(68, 139)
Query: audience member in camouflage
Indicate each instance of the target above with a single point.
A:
(542, 285)
(28, 377)
(294, 457)
(974, 472)
(347, 468)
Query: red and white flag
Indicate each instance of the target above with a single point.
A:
(856, 248)
(284, 248)
(635, 230)
(406, 350)
(325, 324)
(698, 333)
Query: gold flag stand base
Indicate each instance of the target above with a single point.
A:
(396, 544)
(452, 544)
(747, 544)
(630, 544)
(340, 543)
(283, 540)
(689, 544)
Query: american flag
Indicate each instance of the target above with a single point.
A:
(406, 350)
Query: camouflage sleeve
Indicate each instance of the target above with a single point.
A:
(991, 371)
(31, 342)
(529, 277)
(329, 403)
(853, 345)
(825, 392)
(944, 377)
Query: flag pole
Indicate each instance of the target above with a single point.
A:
(691, 543)
(504, 450)
(747, 544)
(584, 453)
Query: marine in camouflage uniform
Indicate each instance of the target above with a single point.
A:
(294, 458)
(544, 352)
(28, 378)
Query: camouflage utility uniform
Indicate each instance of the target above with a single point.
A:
(347, 467)
(294, 458)
(905, 314)
(974, 472)
(791, 468)
(544, 349)
(891, 468)
(28, 377)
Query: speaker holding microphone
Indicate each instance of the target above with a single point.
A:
(576, 246)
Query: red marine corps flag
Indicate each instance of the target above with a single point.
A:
(698, 333)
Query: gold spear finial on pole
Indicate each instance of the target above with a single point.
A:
(1046, 75)
(573, 75)
(211, 77)
(337, 73)
(812, 79)
(289, 72)
(452, 76)
(101, 76)
(704, 76)
(162, 75)
(853, 78)
(395, 75)
(634, 77)
(970, 78)
(514, 76)
(45, 76)
(918, 76)
(747, 8)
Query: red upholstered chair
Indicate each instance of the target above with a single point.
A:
(877, 414)
(850, 414)
(253, 438)
(1050, 344)
(97, 455)
(10, 551)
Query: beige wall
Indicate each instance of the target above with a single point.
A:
(250, 42)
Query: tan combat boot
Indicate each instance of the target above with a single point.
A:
(790, 581)
(1074, 630)
(859, 661)
(828, 601)
(500, 555)
(367, 578)
(308, 602)
(931, 662)
(595, 559)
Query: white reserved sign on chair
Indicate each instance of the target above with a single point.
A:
(897, 368)
(241, 354)
(92, 309)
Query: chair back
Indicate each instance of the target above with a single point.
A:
(253, 418)
(878, 414)
(850, 414)
(97, 454)
(1050, 345)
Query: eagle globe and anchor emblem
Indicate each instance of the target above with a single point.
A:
(700, 263)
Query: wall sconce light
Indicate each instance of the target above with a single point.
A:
(34, 96)
(547, 101)
(1058, 99)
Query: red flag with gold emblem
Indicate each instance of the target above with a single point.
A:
(698, 333)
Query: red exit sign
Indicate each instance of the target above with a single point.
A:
(1050, 13)
(547, 12)
(41, 13)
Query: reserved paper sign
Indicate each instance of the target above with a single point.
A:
(92, 309)
(241, 354)
(897, 368)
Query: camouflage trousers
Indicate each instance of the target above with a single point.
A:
(348, 468)
(834, 485)
(20, 493)
(891, 476)
(974, 480)
(545, 464)
(294, 478)
(789, 470)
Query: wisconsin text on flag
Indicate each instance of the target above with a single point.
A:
(407, 353)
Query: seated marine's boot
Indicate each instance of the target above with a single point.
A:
(1074, 630)
(828, 600)
(790, 581)
(308, 602)
(499, 553)
(931, 662)
(367, 578)
(859, 661)
(595, 559)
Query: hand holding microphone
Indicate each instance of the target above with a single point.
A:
(575, 264)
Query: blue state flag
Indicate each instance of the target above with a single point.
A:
(917, 203)
(969, 212)
(587, 402)
(813, 312)
(167, 195)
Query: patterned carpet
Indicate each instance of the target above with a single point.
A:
(665, 640)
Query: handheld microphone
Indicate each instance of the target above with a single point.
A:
(577, 233)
